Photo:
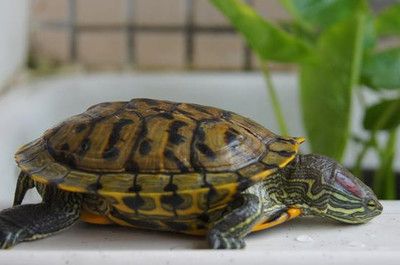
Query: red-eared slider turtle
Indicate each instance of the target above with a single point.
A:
(179, 167)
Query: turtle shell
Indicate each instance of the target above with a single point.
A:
(145, 153)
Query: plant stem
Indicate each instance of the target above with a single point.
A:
(354, 80)
(357, 167)
(390, 187)
(274, 99)
(385, 179)
(361, 98)
(358, 50)
(371, 142)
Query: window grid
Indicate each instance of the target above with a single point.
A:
(189, 29)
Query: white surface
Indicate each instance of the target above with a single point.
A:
(377, 242)
(13, 37)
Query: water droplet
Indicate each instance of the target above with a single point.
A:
(356, 244)
(304, 238)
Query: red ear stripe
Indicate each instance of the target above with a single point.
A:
(349, 185)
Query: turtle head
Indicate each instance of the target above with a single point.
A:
(323, 187)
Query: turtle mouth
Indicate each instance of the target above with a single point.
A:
(373, 209)
(377, 211)
(367, 215)
(351, 218)
(356, 214)
(379, 207)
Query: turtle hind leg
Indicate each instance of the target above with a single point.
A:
(24, 184)
(228, 231)
(58, 211)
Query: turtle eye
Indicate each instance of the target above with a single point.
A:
(371, 204)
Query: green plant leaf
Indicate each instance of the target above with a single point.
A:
(320, 13)
(268, 41)
(312, 16)
(296, 29)
(382, 69)
(385, 178)
(370, 36)
(388, 21)
(326, 85)
(383, 115)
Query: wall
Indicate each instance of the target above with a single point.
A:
(13, 37)
(146, 34)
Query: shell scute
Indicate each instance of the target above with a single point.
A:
(138, 202)
(54, 172)
(37, 163)
(173, 202)
(217, 179)
(29, 151)
(164, 145)
(102, 145)
(117, 182)
(189, 181)
(152, 183)
(79, 181)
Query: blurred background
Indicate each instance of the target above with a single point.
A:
(135, 34)
(60, 56)
(141, 34)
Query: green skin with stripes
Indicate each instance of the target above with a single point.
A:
(315, 184)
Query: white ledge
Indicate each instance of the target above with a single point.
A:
(300, 241)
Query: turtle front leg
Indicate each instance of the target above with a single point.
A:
(228, 231)
(24, 184)
(58, 211)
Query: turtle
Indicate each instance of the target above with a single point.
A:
(180, 167)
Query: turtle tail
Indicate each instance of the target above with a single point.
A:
(24, 184)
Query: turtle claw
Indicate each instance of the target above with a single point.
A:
(9, 234)
(217, 240)
(7, 239)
